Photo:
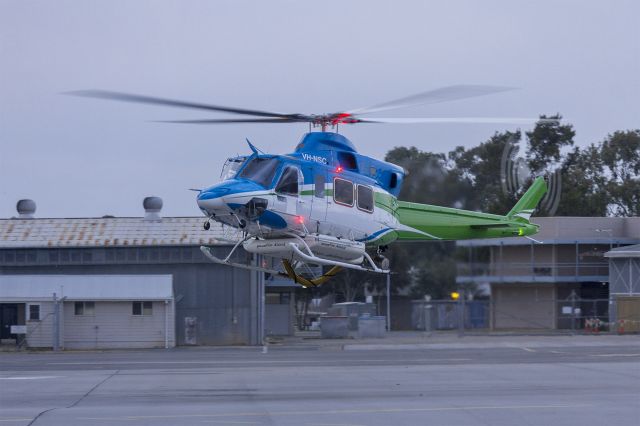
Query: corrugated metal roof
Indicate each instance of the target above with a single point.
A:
(624, 252)
(86, 287)
(111, 232)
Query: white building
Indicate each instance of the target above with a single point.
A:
(91, 311)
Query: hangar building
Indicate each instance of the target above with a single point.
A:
(113, 274)
(536, 284)
(624, 287)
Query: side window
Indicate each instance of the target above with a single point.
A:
(343, 192)
(318, 182)
(84, 308)
(288, 183)
(347, 160)
(393, 182)
(365, 198)
(34, 312)
(142, 308)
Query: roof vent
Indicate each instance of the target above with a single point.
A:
(152, 207)
(26, 209)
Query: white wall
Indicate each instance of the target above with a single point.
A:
(40, 333)
(114, 326)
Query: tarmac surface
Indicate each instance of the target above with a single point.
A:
(402, 380)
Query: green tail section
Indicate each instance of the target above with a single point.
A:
(527, 204)
(420, 222)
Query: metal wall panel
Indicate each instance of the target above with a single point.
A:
(113, 326)
(523, 306)
(40, 333)
(624, 276)
(224, 299)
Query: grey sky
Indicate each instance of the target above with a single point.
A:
(84, 157)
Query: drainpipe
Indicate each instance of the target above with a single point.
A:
(56, 323)
(166, 324)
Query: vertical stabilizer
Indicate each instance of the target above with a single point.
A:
(527, 204)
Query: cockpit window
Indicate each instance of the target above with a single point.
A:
(260, 170)
(231, 167)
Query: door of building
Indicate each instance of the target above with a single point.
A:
(8, 317)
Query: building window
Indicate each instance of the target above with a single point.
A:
(277, 298)
(343, 192)
(84, 308)
(34, 312)
(365, 198)
(142, 308)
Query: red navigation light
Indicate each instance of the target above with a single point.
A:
(300, 219)
(339, 169)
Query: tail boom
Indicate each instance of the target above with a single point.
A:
(423, 222)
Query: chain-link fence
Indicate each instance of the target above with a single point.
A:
(568, 315)
(450, 315)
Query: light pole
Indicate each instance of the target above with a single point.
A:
(612, 307)
(388, 301)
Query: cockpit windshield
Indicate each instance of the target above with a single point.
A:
(261, 170)
(231, 167)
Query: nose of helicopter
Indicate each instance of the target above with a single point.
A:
(211, 199)
(214, 198)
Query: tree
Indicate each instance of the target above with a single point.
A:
(348, 285)
(621, 158)
(480, 167)
(546, 142)
(583, 184)
(430, 179)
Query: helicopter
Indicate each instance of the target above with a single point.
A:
(325, 204)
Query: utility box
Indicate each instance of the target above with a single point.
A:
(334, 327)
(369, 326)
(353, 310)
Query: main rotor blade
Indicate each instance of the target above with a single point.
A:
(232, 120)
(468, 120)
(129, 97)
(443, 94)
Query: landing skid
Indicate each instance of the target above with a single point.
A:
(208, 252)
(308, 257)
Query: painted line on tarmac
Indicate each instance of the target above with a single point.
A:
(528, 349)
(233, 362)
(333, 424)
(612, 355)
(29, 377)
(339, 412)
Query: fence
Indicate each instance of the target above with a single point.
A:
(568, 315)
(449, 315)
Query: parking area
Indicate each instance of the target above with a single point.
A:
(475, 381)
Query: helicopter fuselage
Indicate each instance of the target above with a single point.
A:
(325, 187)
